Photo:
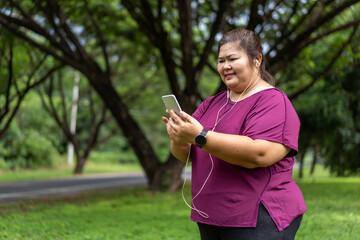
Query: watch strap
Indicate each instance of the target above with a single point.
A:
(200, 140)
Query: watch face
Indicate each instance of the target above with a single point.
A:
(200, 140)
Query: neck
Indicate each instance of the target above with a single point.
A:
(251, 89)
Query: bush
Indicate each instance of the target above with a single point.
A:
(27, 149)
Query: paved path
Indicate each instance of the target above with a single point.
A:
(40, 189)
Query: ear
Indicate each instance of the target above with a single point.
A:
(258, 60)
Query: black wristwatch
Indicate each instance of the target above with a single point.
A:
(200, 140)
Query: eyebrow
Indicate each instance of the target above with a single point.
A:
(228, 56)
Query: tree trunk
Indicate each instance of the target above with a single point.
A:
(314, 160)
(168, 175)
(301, 169)
(80, 163)
(154, 170)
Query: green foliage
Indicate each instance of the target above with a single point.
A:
(27, 149)
(332, 213)
(113, 157)
(32, 140)
(31, 115)
(329, 109)
(138, 74)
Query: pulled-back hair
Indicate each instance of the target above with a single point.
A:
(250, 44)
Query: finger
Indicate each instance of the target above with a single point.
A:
(185, 116)
(165, 120)
(167, 112)
(175, 116)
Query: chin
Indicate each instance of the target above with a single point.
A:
(230, 85)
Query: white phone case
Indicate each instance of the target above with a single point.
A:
(171, 103)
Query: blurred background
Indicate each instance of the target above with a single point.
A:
(80, 94)
(81, 81)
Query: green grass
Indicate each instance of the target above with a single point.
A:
(333, 212)
(98, 163)
(131, 214)
(333, 207)
(64, 171)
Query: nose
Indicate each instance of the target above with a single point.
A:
(226, 65)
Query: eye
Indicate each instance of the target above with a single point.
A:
(221, 61)
(233, 59)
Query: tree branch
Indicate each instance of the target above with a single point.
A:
(55, 6)
(22, 95)
(7, 22)
(50, 17)
(99, 34)
(223, 6)
(185, 29)
(286, 34)
(30, 24)
(157, 36)
(94, 131)
(291, 50)
(10, 78)
(328, 32)
(254, 18)
(318, 75)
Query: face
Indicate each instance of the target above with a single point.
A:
(234, 67)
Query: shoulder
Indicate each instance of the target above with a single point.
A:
(272, 97)
(213, 99)
(216, 97)
(207, 103)
(271, 93)
(269, 97)
(274, 103)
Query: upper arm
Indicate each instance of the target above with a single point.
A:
(269, 152)
(275, 126)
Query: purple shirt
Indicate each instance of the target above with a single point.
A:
(232, 193)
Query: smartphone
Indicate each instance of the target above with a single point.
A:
(171, 103)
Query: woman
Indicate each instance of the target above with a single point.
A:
(242, 144)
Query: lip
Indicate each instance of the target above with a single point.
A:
(229, 75)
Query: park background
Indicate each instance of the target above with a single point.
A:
(122, 56)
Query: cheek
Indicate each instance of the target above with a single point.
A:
(219, 69)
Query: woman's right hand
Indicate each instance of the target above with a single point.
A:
(170, 131)
(178, 148)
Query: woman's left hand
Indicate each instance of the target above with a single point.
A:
(185, 130)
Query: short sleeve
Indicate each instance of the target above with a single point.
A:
(202, 108)
(273, 118)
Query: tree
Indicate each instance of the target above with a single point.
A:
(184, 34)
(45, 25)
(90, 123)
(16, 83)
(329, 114)
(288, 28)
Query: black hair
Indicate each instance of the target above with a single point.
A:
(250, 44)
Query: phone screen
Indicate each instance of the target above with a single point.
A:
(171, 103)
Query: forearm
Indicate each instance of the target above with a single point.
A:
(239, 150)
(235, 149)
(180, 151)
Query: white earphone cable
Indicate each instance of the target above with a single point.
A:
(193, 207)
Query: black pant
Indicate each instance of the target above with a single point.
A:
(265, 230)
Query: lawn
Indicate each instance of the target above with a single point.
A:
(99, 163)
(333, 213)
